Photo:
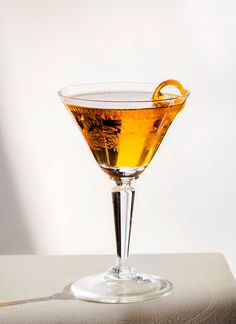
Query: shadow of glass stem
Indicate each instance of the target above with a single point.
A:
(58, 296)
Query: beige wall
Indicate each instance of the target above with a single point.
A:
(53, 197)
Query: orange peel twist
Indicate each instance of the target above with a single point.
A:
(158, 95)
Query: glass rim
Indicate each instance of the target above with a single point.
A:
(60, 92)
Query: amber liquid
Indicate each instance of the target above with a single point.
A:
(123, 138)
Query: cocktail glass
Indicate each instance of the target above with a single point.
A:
(123, 127)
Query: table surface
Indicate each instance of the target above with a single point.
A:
(31, 290)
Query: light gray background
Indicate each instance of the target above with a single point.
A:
(53, 197)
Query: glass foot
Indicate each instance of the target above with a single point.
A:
(109, 287)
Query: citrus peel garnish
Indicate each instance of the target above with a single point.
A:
(159, 98)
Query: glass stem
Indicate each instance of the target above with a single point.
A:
(123, 200)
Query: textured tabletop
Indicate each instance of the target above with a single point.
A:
(31, 290)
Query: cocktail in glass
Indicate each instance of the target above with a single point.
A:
(123, 124)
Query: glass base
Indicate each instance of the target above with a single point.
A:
(110, 287)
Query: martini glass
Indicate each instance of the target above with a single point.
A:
(123, 127)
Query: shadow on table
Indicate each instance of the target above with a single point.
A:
(58, 296)
(194, 313)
